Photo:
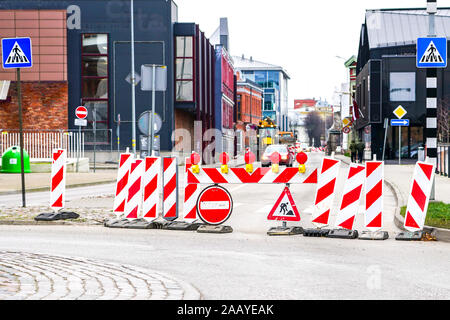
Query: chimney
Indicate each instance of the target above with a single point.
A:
(251, 58)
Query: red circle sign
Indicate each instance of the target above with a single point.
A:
(346, 130)
(81, 112)
(214, 205)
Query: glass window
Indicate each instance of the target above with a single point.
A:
(184, 47)
(94, 85)
(95, 66)
(185, 91)
(402, 86)
(97, 110)
(95, 43)
(184, 68)
(95, 88)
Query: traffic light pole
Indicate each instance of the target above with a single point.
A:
(22, 168)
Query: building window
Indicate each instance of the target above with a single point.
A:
(94, 85)
(184, 68)
(402, 86)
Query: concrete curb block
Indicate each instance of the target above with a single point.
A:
(45, 223)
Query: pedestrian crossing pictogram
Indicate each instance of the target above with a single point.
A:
(431, 52)
(431, 55)
(16, 53)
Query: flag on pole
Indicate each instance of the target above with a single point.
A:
(356, 112)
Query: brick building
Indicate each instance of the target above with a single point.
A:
(82, 56)
(45, 85)
(248, 112)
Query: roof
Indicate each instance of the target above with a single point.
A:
(243, 63)
(398, 27)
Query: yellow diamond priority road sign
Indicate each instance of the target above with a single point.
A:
(400, 112)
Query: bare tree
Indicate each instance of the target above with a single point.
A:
(314, 127)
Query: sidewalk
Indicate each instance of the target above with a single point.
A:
(12, 183)
(400, 176)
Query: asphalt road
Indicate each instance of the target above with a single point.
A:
(248, 264)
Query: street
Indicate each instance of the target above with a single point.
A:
(249, 264)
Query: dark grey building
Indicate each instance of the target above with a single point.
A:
(387, 77)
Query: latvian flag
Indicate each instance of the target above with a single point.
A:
(355, 113)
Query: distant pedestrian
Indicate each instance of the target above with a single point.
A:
(353, 151)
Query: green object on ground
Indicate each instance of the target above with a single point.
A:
(438, 215)
(11, 160)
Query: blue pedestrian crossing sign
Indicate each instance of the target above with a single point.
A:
(431, 52)
(399, 122)
(16, 53)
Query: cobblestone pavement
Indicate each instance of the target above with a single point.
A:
(28, 276)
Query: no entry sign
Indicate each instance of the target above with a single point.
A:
(214, 205)
(81, 112)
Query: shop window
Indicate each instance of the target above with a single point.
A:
(184, 69)
(94, 85)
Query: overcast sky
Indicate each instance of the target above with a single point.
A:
(302, 36)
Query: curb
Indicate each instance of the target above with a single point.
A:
(45, 223)
(441, 234)
(70, 186)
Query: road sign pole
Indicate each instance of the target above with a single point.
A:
(400, 145)
(151, 117)
(79, 146)
(386, 126)
(22, 168)
(431, 107)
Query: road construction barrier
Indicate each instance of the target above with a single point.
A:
(134, 198)
(121, 190)
(143, 177)
(419, 197)
(191, 193)
(374, 195)
(151, 185)
(170, 191)
(351, 197)
(259, 175)
(326, 184)
(58, 179)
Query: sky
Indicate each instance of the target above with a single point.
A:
(302, 36)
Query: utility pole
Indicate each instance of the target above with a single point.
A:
(133, 84)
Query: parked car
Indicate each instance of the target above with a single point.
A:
(305, 147)
(287, 158)
(413, 153)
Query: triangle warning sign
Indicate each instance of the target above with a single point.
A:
(16, 56)
(284, 208)
(431, 55)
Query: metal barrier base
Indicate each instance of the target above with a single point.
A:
(285, 231)
(409, 236)
(377, 235)
(315, 232)
(214, 229)
(182, 226)
(343, 234)
(133, 224)
(52, 216)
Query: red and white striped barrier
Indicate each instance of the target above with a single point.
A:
(373, 217)
(134, 198)
(191, 193)
(260, 175)
(170, 194)
(419, 197)
(58, 180)
(120, 197)
(150, 205)
(351, 197)
(329, 170)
